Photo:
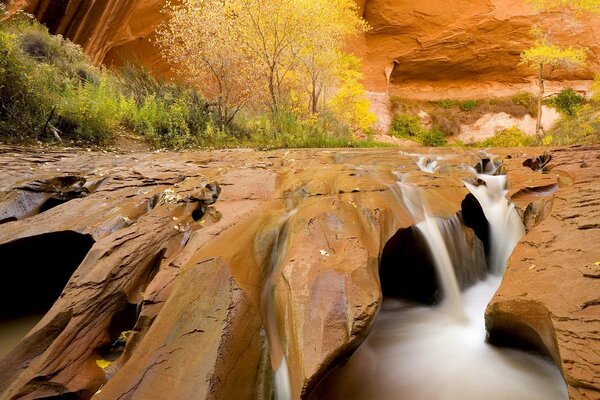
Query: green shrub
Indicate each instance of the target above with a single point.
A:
(468, 105)
(21, 108)
(567, 101)
(446, 103)
(510, 137)
(433, 138)
(404, 125)
(527, 100)
(524, 99)
(582, 127)
(89, 113)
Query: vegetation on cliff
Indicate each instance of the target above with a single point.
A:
(50, 91)
(546, 55)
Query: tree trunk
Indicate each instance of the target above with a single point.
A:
(539, 130)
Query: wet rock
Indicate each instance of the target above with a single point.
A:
(548, 298)
(206, 343)
(208, 268)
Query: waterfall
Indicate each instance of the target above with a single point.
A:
(430, 229)
(424, 353)
(506, 227)
(282, 384)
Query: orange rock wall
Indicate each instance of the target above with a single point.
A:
(424, 45)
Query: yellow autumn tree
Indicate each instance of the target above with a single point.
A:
(545, 55)
(200, 41)
(350, 103)
(596, 88)
(276, 52)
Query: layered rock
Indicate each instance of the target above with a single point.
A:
(203, 274)
(427, 49)
(549, 299)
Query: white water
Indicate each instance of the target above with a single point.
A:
(426, 164)
(423, 353)
(431, 231)
(282, 388)
(427, 353)
(506, 227)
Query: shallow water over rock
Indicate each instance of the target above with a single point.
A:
(164, 295)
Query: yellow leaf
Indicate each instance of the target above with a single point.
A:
(103, 363)
(597, 263)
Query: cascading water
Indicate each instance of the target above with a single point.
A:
(430, 229)
(506, 227)
(426, 164)
(439, 353)
(282, 388)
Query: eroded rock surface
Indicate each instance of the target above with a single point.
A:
(550, 294)
(281, 264)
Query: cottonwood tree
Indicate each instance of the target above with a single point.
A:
(349, 102)
(237, 50)
(200, 41)
(545, 56)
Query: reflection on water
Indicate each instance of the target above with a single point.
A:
(424, 353)
(12, 331)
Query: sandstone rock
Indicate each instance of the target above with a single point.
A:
(285, 263)
(435, 49)
(549, 296)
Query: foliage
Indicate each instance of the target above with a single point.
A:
(287, 55)
(286, 130)
(468, 105)
(409, 127)
(350, 104)
(271, 50)
(433, 138)
(48, 85)
(582, 127)
(567, 101)
(446, 103)
(596, 88)
(406, 126)
(510, 137)
(577, 5)
(546, 54)
(524, 99)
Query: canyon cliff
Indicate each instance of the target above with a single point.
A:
(428, 49)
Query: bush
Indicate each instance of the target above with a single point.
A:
(433, 138)
(404, 125)
(468, 105)
(510, 137)
(47, 83)
(446, 103)
(567, 101)
(583, 127)
(524, 99)
(596, 88)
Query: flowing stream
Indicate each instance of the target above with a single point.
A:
(439, 352)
